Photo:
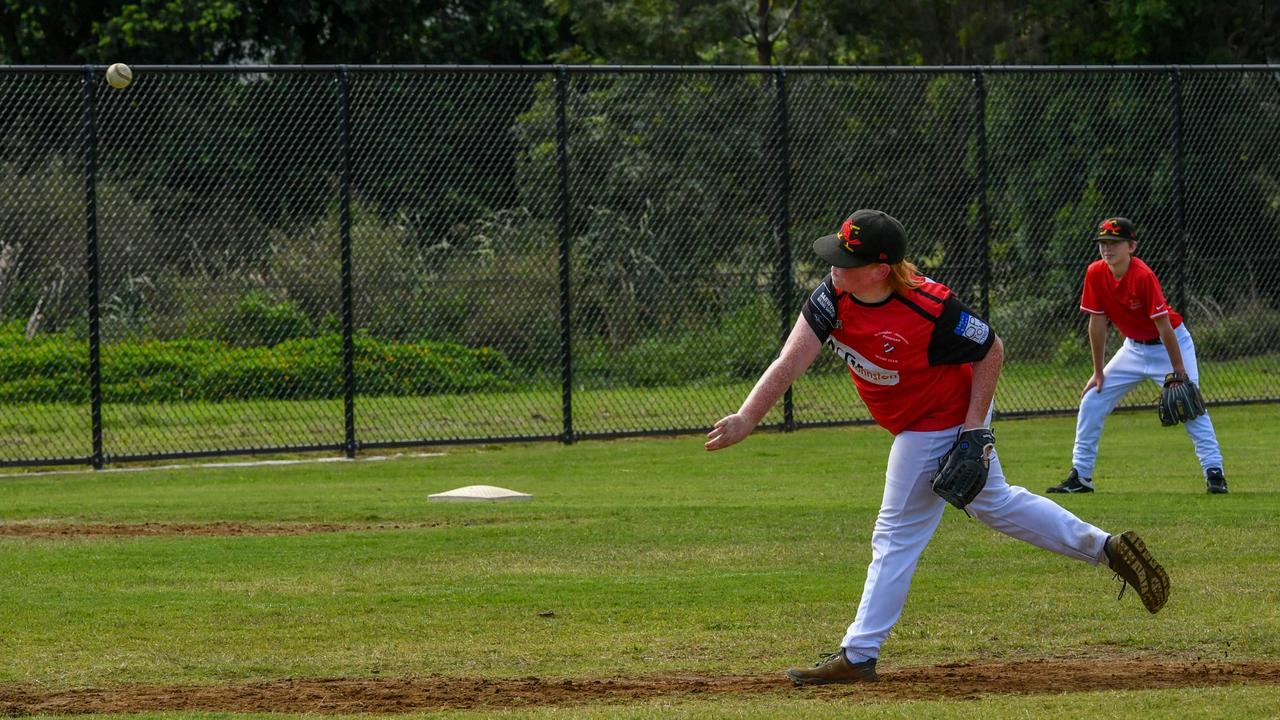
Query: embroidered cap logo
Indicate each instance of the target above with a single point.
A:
(1111, 227)
(848, 233)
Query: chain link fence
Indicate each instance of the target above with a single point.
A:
(267, 259)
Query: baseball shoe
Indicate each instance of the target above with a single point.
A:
(1215, 481)
(834, 668)
(1128, 556)
(1073, 484)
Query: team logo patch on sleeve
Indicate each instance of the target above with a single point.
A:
(821, 298)
(973, 328)
(820, 311)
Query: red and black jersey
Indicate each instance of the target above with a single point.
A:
(909, 356)
(1131, 303)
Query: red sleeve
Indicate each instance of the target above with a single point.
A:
(1091, 299)
(1156, 304)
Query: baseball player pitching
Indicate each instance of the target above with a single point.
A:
(926, 366)
(1157, 346)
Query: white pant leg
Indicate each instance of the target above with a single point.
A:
(1201, 429)
(909, 514)
(1040, 521)
(1126, 369)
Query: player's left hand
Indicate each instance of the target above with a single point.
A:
(1180, 400)
(962, 472)
(729, 430)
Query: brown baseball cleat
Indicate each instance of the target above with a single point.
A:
(1128, 556)
(834, 668)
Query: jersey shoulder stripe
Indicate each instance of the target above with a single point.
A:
(925, 291)
(918, 310)
(927, 300)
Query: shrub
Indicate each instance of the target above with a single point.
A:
(1252, 328)
(738, 346)
(1032, 327)
(299, 369)
(45, 368)
(384, 368)
(257, 321)
(54, 368)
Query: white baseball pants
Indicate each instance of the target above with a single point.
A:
(909, 514)
(1132, 364)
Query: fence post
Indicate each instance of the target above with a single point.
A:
(90, 139)
(781, 229)
(984, 214)
(562, 160)
(344, 230)
(1179, 191)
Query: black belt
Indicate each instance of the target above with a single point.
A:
(1157, 341)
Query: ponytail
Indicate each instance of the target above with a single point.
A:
(904, 276)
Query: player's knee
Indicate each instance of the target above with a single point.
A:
(1093, 402)
(989, 502)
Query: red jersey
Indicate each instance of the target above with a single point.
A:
(909, 355)
(1130, 302)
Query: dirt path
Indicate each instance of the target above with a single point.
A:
(35, 529)
(339, 695)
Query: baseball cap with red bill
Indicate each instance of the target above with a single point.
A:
(1116, 229)
(867, 237)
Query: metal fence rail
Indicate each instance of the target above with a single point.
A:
(221, 260)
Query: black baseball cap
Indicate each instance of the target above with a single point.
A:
(867, 237)
(1116, 228)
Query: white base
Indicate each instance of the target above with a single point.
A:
(479, 493)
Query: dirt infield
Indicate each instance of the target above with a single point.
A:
(33, 529)
(340, 696)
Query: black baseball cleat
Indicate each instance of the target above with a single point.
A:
(1215, 481)
(834, 668)
(1128, 556)
(1073, 484)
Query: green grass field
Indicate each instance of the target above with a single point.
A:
(637, 559)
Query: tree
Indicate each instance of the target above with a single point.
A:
(764, 32)
(1145, 31)
(70, 32)
(288, 31)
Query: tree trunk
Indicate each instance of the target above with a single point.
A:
(8, 268)
(764, 43)
(51, 299)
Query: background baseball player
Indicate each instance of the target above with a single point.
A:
(1157, 346)
(926, 367)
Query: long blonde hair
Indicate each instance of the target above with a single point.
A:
(904, 277)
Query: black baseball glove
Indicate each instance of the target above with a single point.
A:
(962, 472)
(1180, 400)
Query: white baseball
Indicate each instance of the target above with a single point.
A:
(119, 76)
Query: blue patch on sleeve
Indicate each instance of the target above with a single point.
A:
(972, 328)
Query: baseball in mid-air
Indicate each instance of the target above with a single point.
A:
(119, 76)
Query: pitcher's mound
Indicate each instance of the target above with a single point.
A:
(365, 696)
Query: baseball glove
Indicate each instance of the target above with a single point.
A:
(1180, 400)
(962, 472)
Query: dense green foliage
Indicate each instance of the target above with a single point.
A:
(54, 368)
(639, 31)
